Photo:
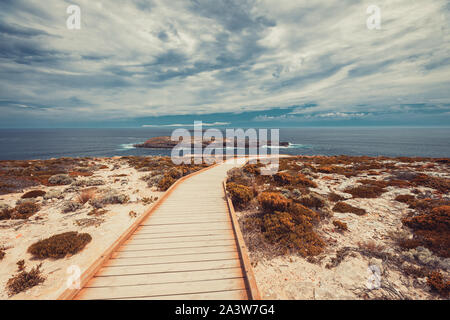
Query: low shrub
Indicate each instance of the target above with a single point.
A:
(60, 179)
(340, 225)
(240, 195)
(437, 283)
(335, 197)
(24, 280)
(282, 229)
(300, 213)
(405, 198)
(86, 195)
(6, 213)
(438, 183)
(297, 179)
(272, 201)
(2, 253)
(175, 173)
(21, 265)
(304, 181)
(33, 194)
(60, 245)
(437, 220)
(165, 183)
(312, 201)
(432, 230)
(343, 207)
(25, 210)
(366, 191)
(71, 206)
(284, 178)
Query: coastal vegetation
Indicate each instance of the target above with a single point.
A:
(323, 208)
(60, 245)
(25, 280)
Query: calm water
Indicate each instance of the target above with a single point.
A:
(52, 143)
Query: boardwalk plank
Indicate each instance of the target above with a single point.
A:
(185, 250)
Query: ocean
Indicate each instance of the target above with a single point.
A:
(23, 144)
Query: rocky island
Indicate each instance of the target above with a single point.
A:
(165, 142)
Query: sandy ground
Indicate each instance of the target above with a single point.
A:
(294, 277)
(18, 235)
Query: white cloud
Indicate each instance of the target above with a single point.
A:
(149, 58)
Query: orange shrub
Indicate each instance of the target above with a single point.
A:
(304, 181)
(437, 283)
(282, 229)
(165, 183)
(240, 195)
(343, 207)
(432, 230)
(340, 225)
(405, 198)
(368, 191)
(272, 201)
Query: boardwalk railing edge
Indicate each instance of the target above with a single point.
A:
(242, 249)
(87, 275)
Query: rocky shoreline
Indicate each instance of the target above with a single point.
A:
(165, 142)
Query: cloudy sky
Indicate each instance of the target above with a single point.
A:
(237, 62)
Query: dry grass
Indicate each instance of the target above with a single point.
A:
(86, 195)
(24, 280)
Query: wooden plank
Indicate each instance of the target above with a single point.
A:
(97, 264)
(110, 270)
(190, 247)
(161, 289)
(172, 252)
(151, 240)
(210, 295)
(186, 227)
(181, 244)
(186, 233)
(176, 258)
(159, 278)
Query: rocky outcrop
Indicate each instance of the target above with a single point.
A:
(165, 142)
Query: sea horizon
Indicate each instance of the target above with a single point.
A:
(389, 141)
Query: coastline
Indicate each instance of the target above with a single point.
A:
(338, 272)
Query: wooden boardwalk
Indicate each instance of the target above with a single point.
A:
(188, 248)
